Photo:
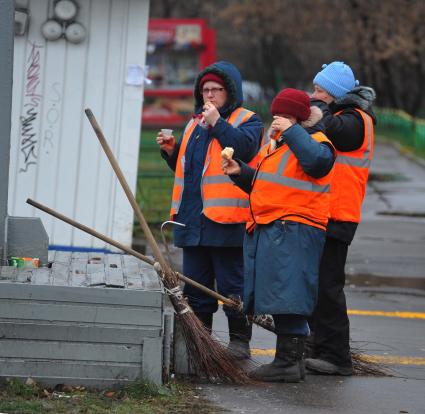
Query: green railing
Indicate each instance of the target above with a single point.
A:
(399, 126)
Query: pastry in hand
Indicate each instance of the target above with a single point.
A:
(227, 153)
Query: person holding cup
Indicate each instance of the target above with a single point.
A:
(213, 210)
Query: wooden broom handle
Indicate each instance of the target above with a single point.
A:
(128, 250)
(137, 211)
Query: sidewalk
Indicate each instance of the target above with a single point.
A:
(389, 246)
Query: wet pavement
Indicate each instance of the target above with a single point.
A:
(397, 343)
(324, 395)
(389, 246)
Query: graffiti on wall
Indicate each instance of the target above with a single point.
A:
(52, 117)
(31, 108)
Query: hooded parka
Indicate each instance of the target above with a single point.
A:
(212, 209)
(204, 228)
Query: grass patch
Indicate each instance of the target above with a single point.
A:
(387, 177)
(155, 179)
(136, 398)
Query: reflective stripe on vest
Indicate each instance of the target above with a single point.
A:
(348, 186)
(279, 178)
(233, 206)
(226, 202)
(282, 190)
(363, 162)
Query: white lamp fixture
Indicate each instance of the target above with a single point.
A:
(51, 30)
(63, 24)
(75, 33)
(65, 10)
(21, 21)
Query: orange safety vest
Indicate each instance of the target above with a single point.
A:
(283, 191)
(223, 202)
(348, 186)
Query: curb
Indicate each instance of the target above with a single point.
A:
(373, 280)
(403, 151)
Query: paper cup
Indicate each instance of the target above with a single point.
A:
(167, 132)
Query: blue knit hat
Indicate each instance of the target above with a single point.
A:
(337, 79)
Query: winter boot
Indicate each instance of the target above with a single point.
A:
(206, 319)
(321, 366)
(240, 332)
(288, 363)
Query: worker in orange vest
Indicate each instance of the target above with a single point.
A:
(213, 210)
(349, 122)
(289, 200)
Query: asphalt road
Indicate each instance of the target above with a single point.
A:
(387, 324)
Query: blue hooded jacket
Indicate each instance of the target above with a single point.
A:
(245, 140)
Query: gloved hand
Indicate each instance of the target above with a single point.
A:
(228, 310)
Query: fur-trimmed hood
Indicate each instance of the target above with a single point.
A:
(233, 84)
(361, 96)
(316, 115)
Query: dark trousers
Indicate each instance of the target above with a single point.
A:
(330, 323)
(210, 266)
(289, 324)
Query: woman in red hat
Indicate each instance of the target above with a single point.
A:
(289, 203)
(212, 208)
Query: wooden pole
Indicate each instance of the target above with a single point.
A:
(137, 211)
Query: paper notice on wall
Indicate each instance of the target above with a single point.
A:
(136, 75)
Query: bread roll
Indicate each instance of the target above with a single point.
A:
(227, 153)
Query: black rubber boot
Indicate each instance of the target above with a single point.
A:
(240, 332)
(321, 366)
(288, 363)
(206, 319)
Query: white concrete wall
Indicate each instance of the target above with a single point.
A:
(55, 156)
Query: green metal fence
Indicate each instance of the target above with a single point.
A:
(401, 127)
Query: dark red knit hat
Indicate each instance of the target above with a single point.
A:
(291, 102)
(210, 77)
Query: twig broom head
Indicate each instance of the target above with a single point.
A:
(364, 365)
(209, 357)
